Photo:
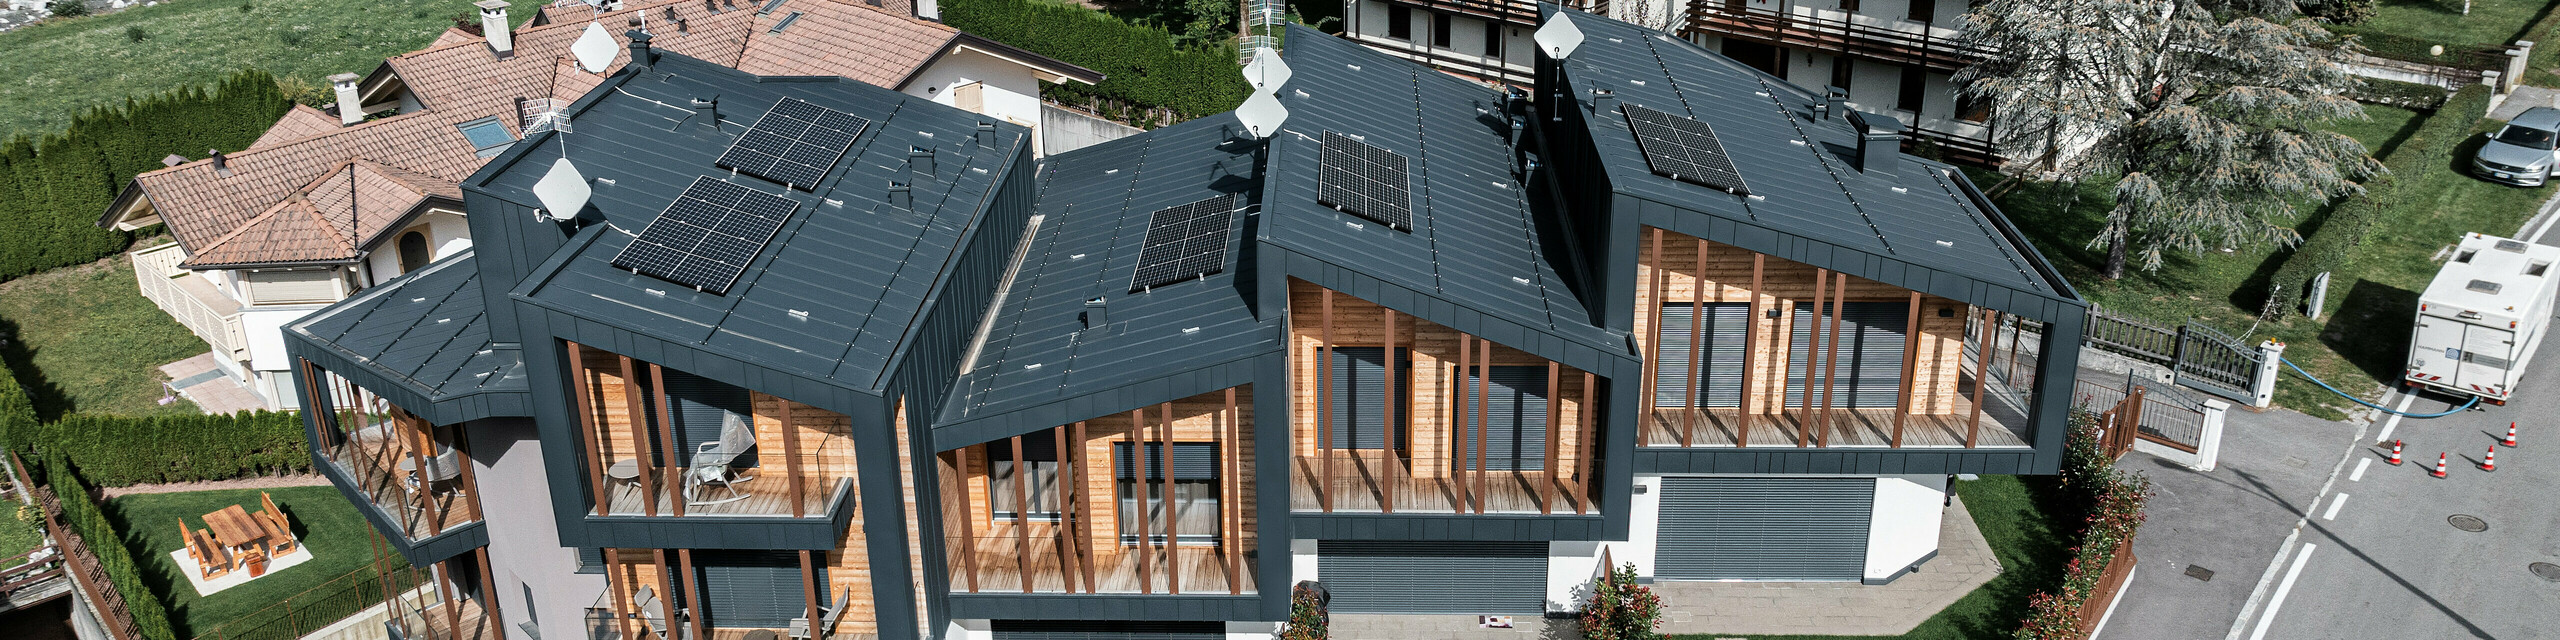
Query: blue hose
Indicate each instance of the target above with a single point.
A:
(2475, 400)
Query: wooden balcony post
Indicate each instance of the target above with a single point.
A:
(1653, 336)
(1804, 421)
(1458, 424)
(618, 589)
(1910, 368)
(1582, 459)
(1484, 422)
(666, 585)
(1066, 559)
(1324, 407)
(1387, 416)
(1021, 516)
(692, 594)
(809, 589)
(969, 521)
(452, 611)
(791, 458)
(1697, 334)
(1831, 353)
(407, 431)
(674, 448)
(1082, 510)
(644, 456)
(595, 458)
(1231, 484)
(1555, 414)
(1172, 507)
(1138, 462)
(1751, 356)
(1982, 370)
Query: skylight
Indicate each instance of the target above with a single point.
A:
(487, 135)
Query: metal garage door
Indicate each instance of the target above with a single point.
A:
(1434, 577)
(1106, 630)
(1764, 528)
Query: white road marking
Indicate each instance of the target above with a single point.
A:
(2258, 594)
(2406, 397)
(2283, 590)
(2545, 214)
(2358, 476)
(2332, 513)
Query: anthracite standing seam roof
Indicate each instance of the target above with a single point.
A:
(425, 331)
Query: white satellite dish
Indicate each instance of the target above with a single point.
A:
(562, 190)
(1261, 114)
(1559, 37)
(1266, 72)
(595, 49)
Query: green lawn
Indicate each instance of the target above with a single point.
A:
(2491, 23)
(2026, 533)
(17, 535)
(83, 338)
(55, 67)
(338, 537)
(2377, 294)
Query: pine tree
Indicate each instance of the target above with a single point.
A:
(2211, 118)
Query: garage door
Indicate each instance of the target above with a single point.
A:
(1106, 630)
(1434, 577)
(1764, 528)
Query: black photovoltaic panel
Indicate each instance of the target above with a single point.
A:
(1684, 149)
(1183, 242)
(707, 236)
(1362, 180)
(795, 143)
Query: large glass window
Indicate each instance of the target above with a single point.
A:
(1361, 398)
(1193, 513)
(1005, 492)
(1514, 424)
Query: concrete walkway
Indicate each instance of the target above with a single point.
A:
(201, 380)
(1964, 562)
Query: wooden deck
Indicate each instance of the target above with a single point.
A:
(1358, 477)
(431, 618)
(769, 494)
(2003, 425)
(1001, 566)
(374, 464)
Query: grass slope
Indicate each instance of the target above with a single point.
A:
(58, 66)
(2017, 519)
(2491, 23)
(17, 535)
(83, 338)
(337, 536)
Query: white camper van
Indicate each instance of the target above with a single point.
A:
(2482, 318)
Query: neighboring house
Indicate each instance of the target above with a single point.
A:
(947, 390)
(1895, 57)
(325, 204)
(1486, 40)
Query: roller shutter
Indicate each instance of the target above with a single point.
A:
(700, 405)
(1764, 528)
(1106, 630)
(1722, 330)
(751, 589)
(1436, 577)
(1871, 342)
(1359, 397)
(1515, 420)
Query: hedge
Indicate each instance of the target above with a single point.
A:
(2332, 247)
(17, 413)
(2406, 95)
(89, 521)
(2112, 502)
(53, 189)
(1142, 65)
(117, 451)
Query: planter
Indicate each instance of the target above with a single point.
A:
(2110, 585)
(257, 567)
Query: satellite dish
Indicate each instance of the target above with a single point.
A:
(563, 191)
(1559, 37)
(1266, 72)
(1262, 114)
(595, 49)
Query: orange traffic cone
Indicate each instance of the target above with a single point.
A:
(2395, 453)
(2511, 435)
(2439, 465)
(2490, 463)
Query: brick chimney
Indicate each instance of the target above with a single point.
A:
(350, 105)
(494, 24)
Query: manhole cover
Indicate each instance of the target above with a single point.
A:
(2200, 573)
(2546, 570)
(2468, 523)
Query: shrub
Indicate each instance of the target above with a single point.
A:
(1142, 65)
(1620, 609)
(2332, 247)
(2406, 95)
(67, 8)
(117, 451)
(135, 34)
(1307, 617)
(2113, 501)
(17, 413)
(82, 514)
(2348, 12)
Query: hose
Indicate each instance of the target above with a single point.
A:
(2297, 369)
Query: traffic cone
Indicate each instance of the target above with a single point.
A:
(2511, 435)
(2439, 465)
(2395, 453)
(2490, 463)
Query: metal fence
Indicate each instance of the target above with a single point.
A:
(318, 607)
(2169, 416)
(2199, 356)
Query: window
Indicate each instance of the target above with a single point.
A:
(1440, 29)
(1850, 6)
(1492, 40)
(1869, 347)
(1915, 88)
(2483, 286)
(1840, 71)
(1973, 109)
(2537, 268)
(1722, 332)
(487, 135)
(413, 251)
(1195, 492)
(1400, 22)
(1514, 418)
(1924, 10)
(1360, 408)
(1040, 456)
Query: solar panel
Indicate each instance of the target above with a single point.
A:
(1363, 180)
(1184, 241)
(1684, 149)
(795, 143)
(707, 236)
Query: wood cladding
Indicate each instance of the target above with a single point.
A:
(822, 440)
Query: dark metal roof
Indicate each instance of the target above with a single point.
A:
(1801, 166)
(1474, 243)
(1092, 217)
(425, 333)
(843, 285)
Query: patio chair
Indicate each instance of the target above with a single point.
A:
(654, 614)
(211, 561)
(714, 463)
(826, 620)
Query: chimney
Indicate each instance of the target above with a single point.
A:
(640, 54)
(900, 197)
(493, 25)
(920, 163)
(1096, 313)
(221, 163)
(1834, 100)
(708, 111)
(711, 6)
(350, 107)
(987, 135)
(1602, 100)
(173, 160)
(1879, 142)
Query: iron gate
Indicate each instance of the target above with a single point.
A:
(2168, 416)
(2198, 356)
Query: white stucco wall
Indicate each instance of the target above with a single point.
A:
(524, 541)
(1302, 561)
(448, 233)
(1014, 94)
(1904, 527)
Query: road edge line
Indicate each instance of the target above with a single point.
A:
(2284, 550)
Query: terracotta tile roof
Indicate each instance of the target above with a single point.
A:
(331, 219)
(298, 123)
(452, 35)
(457, 81)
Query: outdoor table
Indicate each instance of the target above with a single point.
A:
(236, 529)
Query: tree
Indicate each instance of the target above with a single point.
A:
(2213, 126)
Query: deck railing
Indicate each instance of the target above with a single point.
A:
(162, 281)
(1872, 41)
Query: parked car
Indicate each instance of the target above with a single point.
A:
(2523, 152)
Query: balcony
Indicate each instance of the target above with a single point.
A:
(665, 443)
(190, 298)
(380, 449)
(1896, 41)
(652, 594)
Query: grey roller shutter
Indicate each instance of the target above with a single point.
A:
(1514, 420)
(1871, 341)
(1106, 630)
(700, 406)
(1764, 528)
(1359, 397)
(1723, 330)
(1191, 461)
(749, 589)
(1436, 577)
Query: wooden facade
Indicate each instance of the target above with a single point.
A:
(1080, 546)
(667, 571)
(1941, 400)
(803, 455)
(1423, 472)
(381, 446)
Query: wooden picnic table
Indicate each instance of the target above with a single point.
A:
(234, 528)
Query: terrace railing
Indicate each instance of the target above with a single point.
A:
(1913, 45)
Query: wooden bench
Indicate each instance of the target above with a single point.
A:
(279, 531)
(211, 561)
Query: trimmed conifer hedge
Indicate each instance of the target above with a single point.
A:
(1141, 65)
(117, 451)
(82, 513)
(2332, 247)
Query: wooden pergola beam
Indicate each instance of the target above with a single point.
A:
(1751, 357)
(667, 441)
(1831, 353)
(791, 458)
(1804, 421)
(1324, 405)
(1910, 368)
(595, 458)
